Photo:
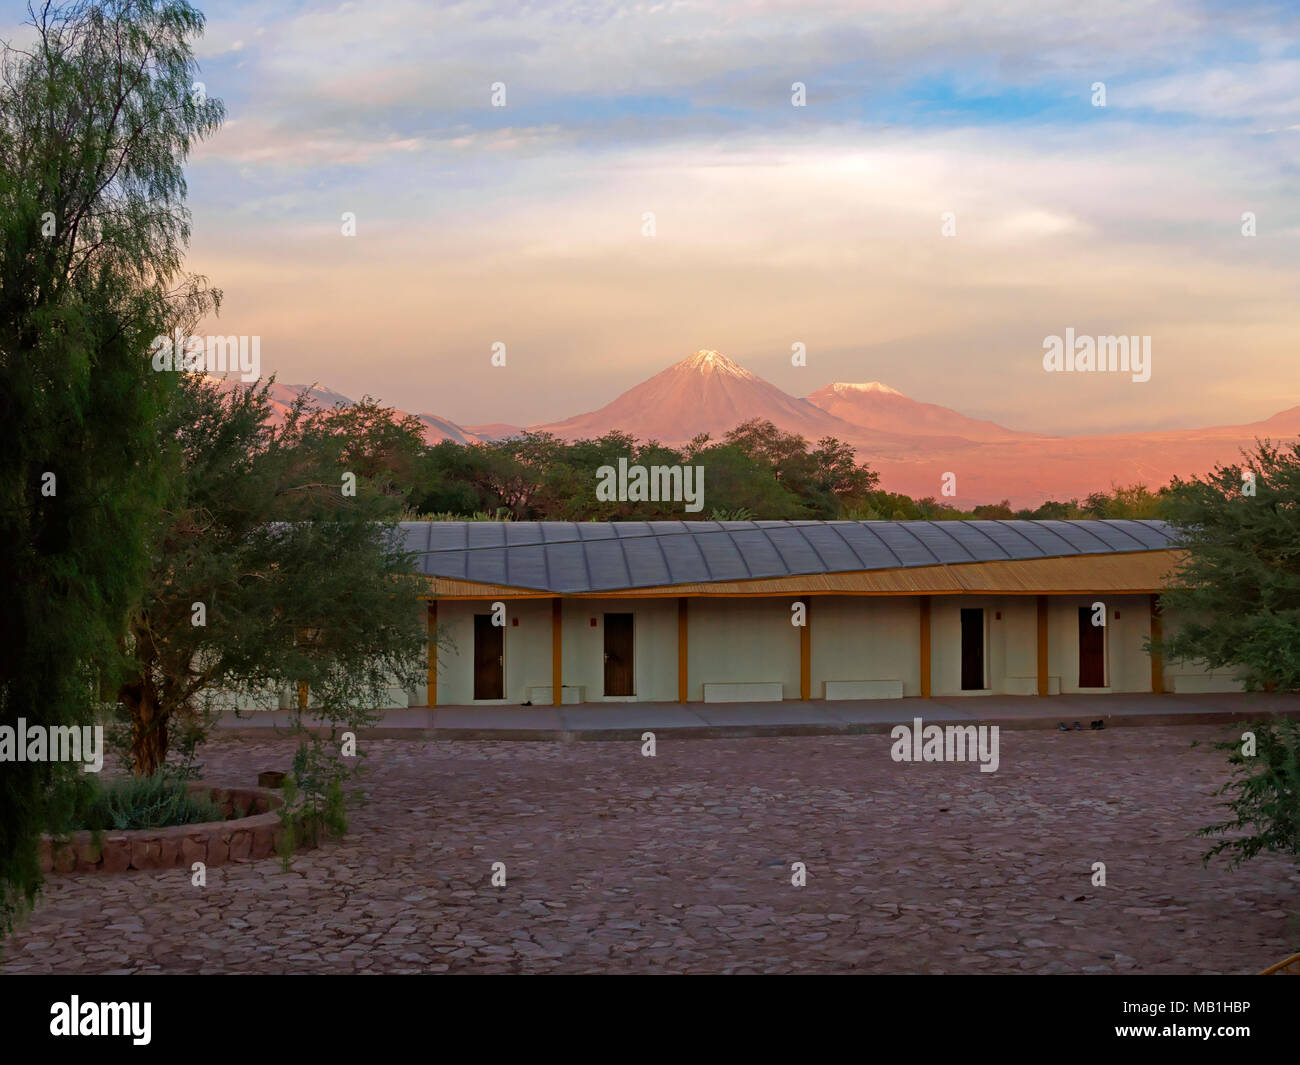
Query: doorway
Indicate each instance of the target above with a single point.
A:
(489, 658)
(618, 655)
(972, 649)
(1092, 651)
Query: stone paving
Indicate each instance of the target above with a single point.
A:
(682, 863)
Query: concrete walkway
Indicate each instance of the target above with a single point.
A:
(623, 721)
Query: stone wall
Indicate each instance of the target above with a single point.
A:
(253, 835)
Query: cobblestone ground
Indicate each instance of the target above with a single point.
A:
(682, 863)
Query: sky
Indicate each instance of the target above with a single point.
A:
(774, 224)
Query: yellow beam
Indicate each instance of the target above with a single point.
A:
(925, 647)
(557, 652)
(431, 651)
(805, 653)
(683, 679)
(1042, 645)
(1157, 657)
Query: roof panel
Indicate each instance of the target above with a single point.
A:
(836, 555)
(568, 567)
(645, 562)
(905, 544)
(1080, 540)
(796, 552)
(448, 535)
(872, 552)
(523, 532)
(526, 567)
(685, 562)
(722, 557)
(951, 541)
(487, 565)
(1155, 534)
(760, 556)
(558, 532)
(576, 557)
(605, 564)
(485, 534)
(1015, 541)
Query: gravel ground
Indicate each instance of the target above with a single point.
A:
(615, 862)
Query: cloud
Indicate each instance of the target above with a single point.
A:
(1258, 91)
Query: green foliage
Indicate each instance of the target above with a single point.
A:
(96, 121)
(1133, 501)
(288, 842)
(1238, 591)
(318, 808)
(140, 802)
(756, 469)
(301, 583)
(1265, 796)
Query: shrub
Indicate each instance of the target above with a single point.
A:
(1265, 795)
(141, 802)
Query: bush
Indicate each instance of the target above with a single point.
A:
(1265, 795)
(158, 801)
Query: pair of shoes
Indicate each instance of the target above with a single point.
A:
(1098, 725)
(1063, 727)
(1078, 727)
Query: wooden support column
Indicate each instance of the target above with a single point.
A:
(1042, 646)
(303, 636)
(925, 647)
(1157, 656)
(683, 679)
(431, 652)
(557, 652)
(805, 652)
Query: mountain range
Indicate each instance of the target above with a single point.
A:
(911, 444)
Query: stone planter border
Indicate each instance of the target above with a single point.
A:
(254, 835)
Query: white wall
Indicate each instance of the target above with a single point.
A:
(734, 641)
(1010, 648)
(865, 638)
(654, 647)
(527, 650)
(853, 638)
(1128, 667)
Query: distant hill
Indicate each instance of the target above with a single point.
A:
(910, 443)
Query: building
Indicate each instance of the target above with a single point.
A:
(551, 612)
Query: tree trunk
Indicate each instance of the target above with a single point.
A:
(148, 726)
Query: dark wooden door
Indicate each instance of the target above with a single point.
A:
(972, 649)
(489, 658)
(618, 655)
(1092, 651)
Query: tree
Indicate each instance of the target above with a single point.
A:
(1133, 501)
(269, 574)
(97, 118)
(825, 479)
(1238, 588)
(1263, 795)
(1237, 593)
(371, 441)
(993, 511)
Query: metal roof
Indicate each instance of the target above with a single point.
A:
(570, 558)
